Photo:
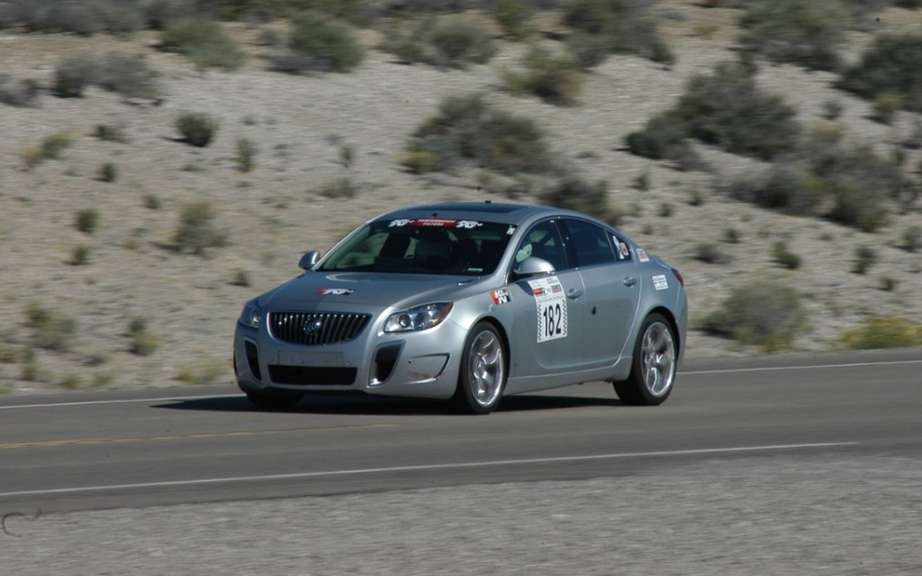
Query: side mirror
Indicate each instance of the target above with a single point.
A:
(309, 260)
(533, 267)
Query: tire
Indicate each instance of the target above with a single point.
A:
(484, 371)
(274, 399)
(652, 378)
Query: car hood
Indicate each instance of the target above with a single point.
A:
(313, 289)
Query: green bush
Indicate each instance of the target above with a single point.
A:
(73, 74)
(711, 253)
(588, 50)
(143, 343)
(108, 172)
(732, 236)
(912, 239)
(201, 374)
(724, 109)
(886, 105)
(574, 193)
(246, 155)
(197, 129)
(82, 17)
(317, 42)
(624, 26)
(50, 330)
(783, 256)
(889, 66)
(340, 188)
(555, 79)
(804, 33)
(763, 313)
(196, 232)
(884, 332)
(80, 256)
(468, 129)
(514, 17)
(19, 93)
(111, 133)
(204, 42)
(445, 41)
(865, 258)
(87, 220)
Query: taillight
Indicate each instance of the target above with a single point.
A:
(678, 276)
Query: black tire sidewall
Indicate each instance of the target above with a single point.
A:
(464, 395)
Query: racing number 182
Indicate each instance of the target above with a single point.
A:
(552, 320)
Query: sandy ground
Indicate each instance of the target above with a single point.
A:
(274, 213)
(772, 515)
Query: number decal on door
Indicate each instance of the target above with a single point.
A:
(551, 305)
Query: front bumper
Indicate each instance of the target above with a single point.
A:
(414, 364)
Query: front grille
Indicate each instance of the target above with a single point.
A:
(311, 375)
(316, 328)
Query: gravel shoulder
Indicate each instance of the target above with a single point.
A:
(774, 515)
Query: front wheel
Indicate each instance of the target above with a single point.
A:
(483, 371)
(653, 368)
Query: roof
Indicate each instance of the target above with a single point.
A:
(506, 213)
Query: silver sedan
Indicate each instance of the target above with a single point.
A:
(470, 302)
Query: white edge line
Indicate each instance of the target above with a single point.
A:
(804, 367)
(422, 467)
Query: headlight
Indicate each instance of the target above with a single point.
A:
(419, 318)
(251, 315)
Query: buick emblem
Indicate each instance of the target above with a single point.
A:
(313, 326)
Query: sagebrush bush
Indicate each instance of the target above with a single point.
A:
(108, 172)
(143, 343)
(319, 43)
(804, 33)
(763, 313)
(912, 239)
(468, 129)
(246, 155)
(574, 193)
(732, 236)
(724, 109)
(783, 256)
(19, 93)
(50, 330)
(340, 188)
(624, 26)
(196, 232)
(446, 41)
(711, 253)
(833, 109)
(80, 256)
(125, 74)
(87, 220)
(865, 258)
(514, 17)
(111, 133)
(83, 17)
(204, 42)
(556, 79)
(73, 74)
(884, 332)
(197, 129)
(203, 373)
(889, 66)
(886, 105)
(588, 50)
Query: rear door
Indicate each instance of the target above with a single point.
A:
(549, 310)
(610, 279)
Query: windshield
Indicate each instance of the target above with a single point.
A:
(423, 246)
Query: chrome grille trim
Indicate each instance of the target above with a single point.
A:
(335, 327)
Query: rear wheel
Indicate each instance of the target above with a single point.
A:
(483, 371)
(654, 365)
(274, 399)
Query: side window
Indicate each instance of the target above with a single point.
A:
(543, 241)
(588, 243)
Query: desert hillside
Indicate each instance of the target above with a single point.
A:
(130, 243)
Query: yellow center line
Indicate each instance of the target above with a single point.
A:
(175, 437)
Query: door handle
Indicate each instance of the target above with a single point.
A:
(630, 281)
(574, 293)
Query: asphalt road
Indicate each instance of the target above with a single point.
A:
(182, 445)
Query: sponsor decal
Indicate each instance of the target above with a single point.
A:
(336, 291)
(551, 306)
(660, 282)
(623, 250)
(500, 296)
(642, 255)
(510, 230)
(435, 223)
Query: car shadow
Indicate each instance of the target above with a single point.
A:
(361, 404)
